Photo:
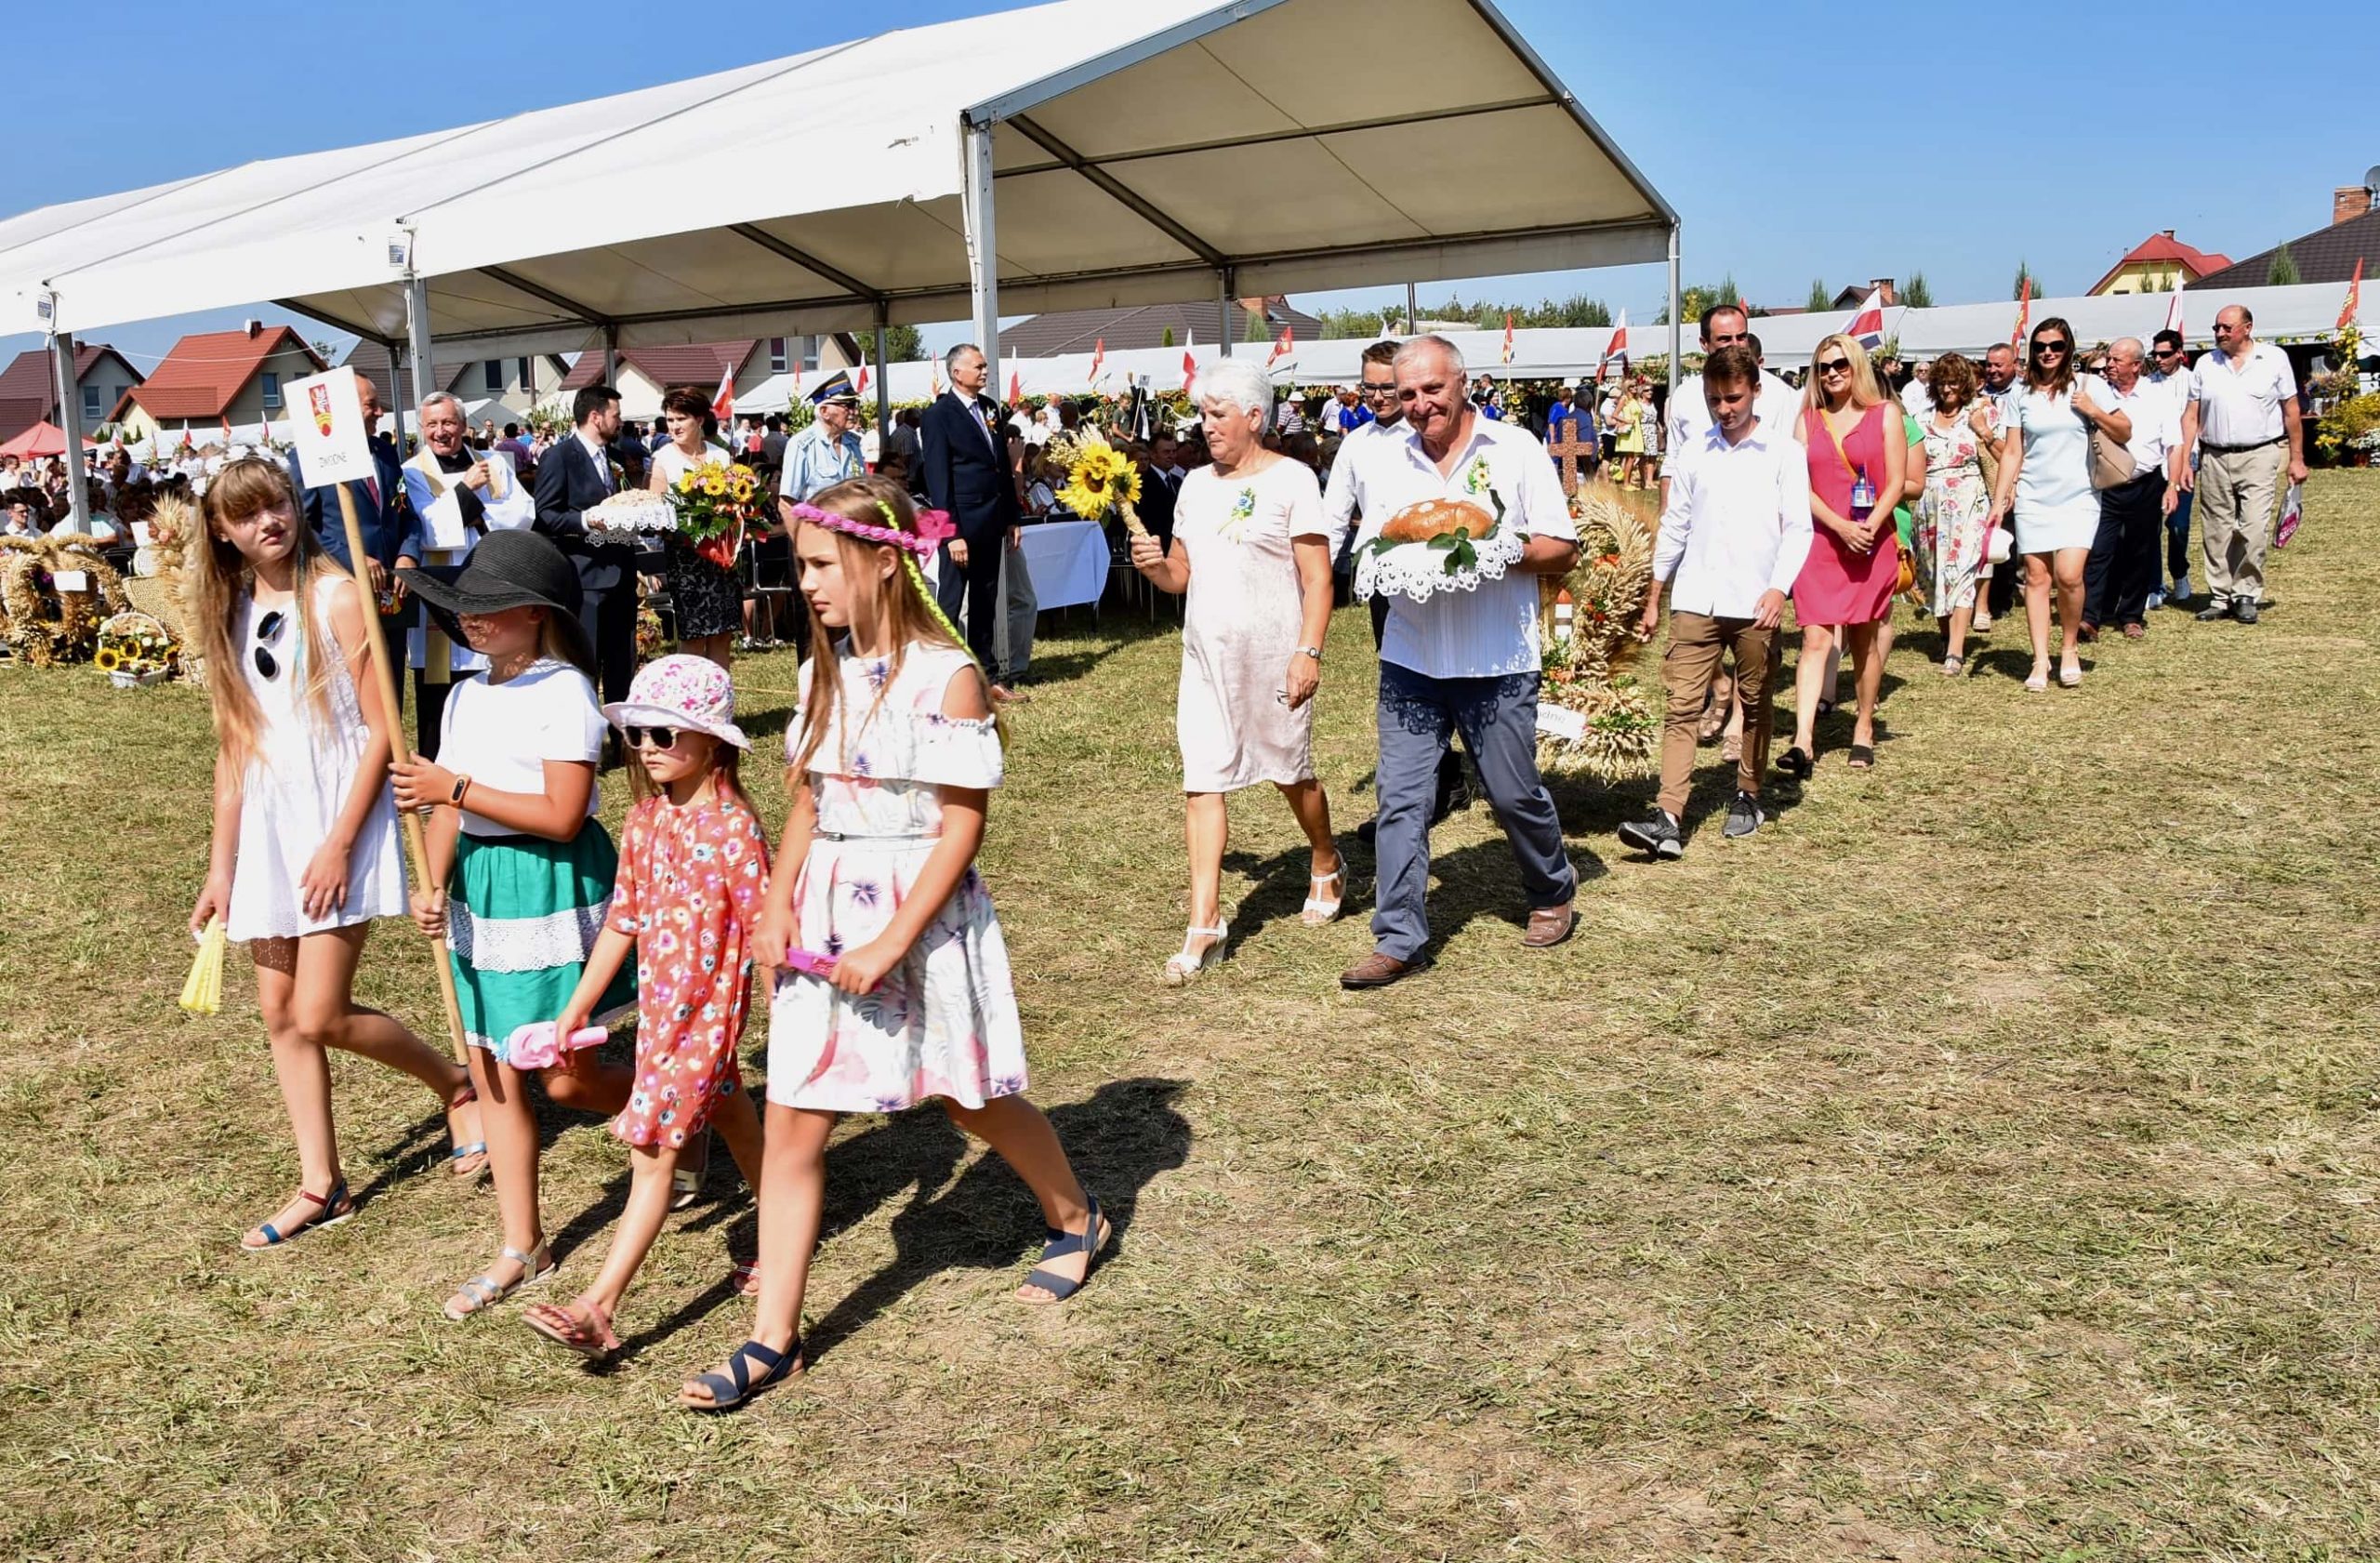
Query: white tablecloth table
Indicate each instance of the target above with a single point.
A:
(1069, 561)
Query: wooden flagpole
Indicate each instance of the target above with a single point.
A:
(417, 846)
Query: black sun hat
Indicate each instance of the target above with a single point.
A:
(506, 570)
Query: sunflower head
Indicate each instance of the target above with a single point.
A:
(714, 485)
(686, 480)
(107, 661)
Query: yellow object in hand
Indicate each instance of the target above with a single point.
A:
(203, 989)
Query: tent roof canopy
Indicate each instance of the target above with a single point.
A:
(1139, 150)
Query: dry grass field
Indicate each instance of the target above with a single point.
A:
(1977, 1163)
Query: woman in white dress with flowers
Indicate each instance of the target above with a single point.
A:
(1252, 550)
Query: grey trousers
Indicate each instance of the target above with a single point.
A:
(1020, 608)
(1497, 719)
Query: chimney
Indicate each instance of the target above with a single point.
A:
(1884, 287)
(255, 329)
(2166, 231)
(2349, 202)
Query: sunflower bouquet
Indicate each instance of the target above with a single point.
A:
(1099, 478)
(715, 502)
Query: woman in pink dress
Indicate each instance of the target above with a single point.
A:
(1852, 430)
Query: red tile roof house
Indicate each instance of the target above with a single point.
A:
(213, 377)
(2156, 265)
(28, 389)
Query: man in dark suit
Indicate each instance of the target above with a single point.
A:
(1161, 478)
(381, 514)
(577, 475)
(966, 474)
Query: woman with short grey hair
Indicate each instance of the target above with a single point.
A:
(1252, 550)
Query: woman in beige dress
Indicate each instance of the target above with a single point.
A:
(1252, 550)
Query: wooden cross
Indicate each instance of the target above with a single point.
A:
(1567, 450)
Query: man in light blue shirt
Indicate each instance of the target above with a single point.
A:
(825, 452)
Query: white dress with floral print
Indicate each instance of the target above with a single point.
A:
(1240, 626)
(944, 1021)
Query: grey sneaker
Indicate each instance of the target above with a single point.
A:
(1744, 816)
(1656, 834)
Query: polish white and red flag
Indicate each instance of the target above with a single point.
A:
(723, 405)
(1616, 346)
(1867, 327)
(1281, 349)
(1189, 360)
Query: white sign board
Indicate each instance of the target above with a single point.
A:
(1560, 721)
(327, 428)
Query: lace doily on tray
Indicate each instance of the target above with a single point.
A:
(1417, 572)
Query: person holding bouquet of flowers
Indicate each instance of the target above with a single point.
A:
(708, 600)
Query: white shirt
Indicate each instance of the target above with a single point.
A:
(1777, 405)
(1738, 523)
(1491, 630)
(2156, 413)
(602, 460)
(501, 734)
(1916, 399)
(1344, 500)
(2240, 404)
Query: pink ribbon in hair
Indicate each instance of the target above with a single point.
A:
(934, 528)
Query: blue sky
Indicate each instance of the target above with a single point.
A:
(2057, 134)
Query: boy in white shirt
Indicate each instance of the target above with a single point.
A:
(1733, 538)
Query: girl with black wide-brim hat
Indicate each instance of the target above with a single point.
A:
(520, 867)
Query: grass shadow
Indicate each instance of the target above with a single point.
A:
(1119, 1140)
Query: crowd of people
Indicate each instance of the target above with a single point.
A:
(865, 933)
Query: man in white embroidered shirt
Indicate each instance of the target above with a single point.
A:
(1462, 659)
(2243, 409)
(1733, 536)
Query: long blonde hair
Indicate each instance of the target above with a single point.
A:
(1865, 392)
(907, 615)
(220, 579)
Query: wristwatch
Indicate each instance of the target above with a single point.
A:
(462, 785)
(1314, 651)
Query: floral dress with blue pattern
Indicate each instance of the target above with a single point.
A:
(943, 1022)
(690, 886)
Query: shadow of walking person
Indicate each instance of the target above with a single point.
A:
(1119, 1142)
(918, 1150)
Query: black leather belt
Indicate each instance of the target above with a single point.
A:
(2234, 450)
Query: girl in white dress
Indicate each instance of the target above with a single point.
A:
(304, 850)
(2046, 471)
(893, 986)
(1252, 549)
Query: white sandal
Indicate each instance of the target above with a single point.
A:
(480, 1294)
(1180, 968)
(1318, 912)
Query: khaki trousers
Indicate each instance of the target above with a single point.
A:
(1688, 668)
(2239, 493)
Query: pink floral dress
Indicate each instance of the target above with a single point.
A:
(1951, 535)
(690, 886)
(943, 1022)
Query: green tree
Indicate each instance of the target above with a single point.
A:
(1168, 340)
(1917, 296)
(1819, 300)
(2282, 273)
(2025, 278)
(902, 343)
(1257, 327)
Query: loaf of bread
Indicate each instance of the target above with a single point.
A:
(1435, 518)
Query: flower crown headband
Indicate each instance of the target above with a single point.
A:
(934, 528)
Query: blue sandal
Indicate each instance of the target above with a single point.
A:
(334, 1207)
(737, 1384)
(1062, 1243)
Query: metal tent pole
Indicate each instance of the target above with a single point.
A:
(883, 377)
(69, 421)
(418, 351)
(1412, 310)
(612, 356)
(1678, 327)
(983, 254)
